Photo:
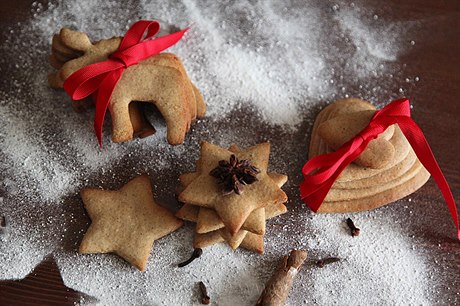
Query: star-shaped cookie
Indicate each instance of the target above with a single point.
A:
(126, 221)
(233, 209)
(250, 241)
(207, 219)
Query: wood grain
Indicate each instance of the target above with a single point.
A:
(43, 286)
(434, 57)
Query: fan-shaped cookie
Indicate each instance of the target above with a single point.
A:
(359, 187)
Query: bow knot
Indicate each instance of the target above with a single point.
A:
(373, 130)
(125, 59)
(321, 171)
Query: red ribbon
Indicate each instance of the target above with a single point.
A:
(315, 186)
(101, 78)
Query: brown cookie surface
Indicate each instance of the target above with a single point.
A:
(126, 221)
(340, 129)
(232, 209)
(363, 187)
(160, 79)
(210, 229)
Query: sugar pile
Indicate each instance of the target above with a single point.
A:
(259, 66)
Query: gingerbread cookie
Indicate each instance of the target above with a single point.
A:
(210, 227)
(126, 221)
(160, 79)
(207, 219)
(395, 173)
(339, 130)
(233, 209)
(251, 241)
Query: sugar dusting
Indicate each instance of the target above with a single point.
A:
(396, 274)
(276, 62)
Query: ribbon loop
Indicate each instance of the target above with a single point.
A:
(102, 77)
(328, 167)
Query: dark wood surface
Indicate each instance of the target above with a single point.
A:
(436, 60)
(43, 286)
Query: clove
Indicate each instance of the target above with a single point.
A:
(205, 299)
(3, 229)
(196, 254)
(354, 230)
(322, 262)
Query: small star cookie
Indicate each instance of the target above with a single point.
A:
(207, 219)
(126, 221)
(211, 229)
(233, 209)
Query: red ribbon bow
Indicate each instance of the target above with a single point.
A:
(315, 186)
(101, 78)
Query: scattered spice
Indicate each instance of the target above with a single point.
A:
(277, 289)
(354, 230)
(234, 174)
(3, 229)
(322, 262)
(173, 28)
(196, 254)
(205, 299)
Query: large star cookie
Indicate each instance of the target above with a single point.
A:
(126, 221)
(215, 232)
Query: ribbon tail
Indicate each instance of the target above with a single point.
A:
(154, 46)
(421, 147)
(164, 42)
(103, 99)
(315, 200)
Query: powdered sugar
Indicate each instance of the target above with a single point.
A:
(42, 174)
(385, 281)
(377, 50)
(261, 67)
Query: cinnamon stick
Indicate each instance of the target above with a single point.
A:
(277, 289)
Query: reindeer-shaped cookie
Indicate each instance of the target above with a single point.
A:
(160, 79)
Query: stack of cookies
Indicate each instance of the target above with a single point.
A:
(159, 79)
(230, 196)
(387, 170)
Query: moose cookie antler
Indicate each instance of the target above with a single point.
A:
(160, 79)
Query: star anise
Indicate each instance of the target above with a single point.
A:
(234, 174)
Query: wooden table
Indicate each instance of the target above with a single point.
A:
(435, 59)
